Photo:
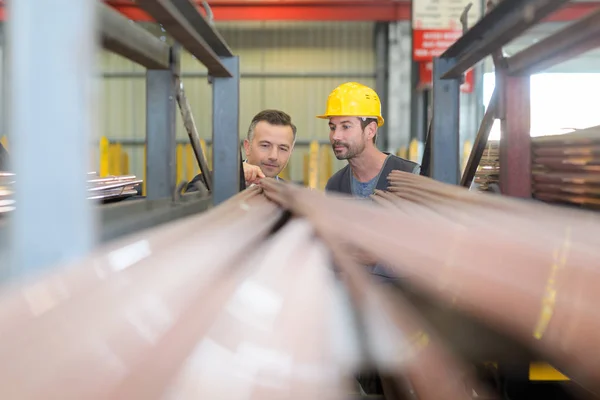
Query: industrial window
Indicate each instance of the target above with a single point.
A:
(560, 102)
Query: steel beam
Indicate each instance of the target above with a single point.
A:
(515, 139)
(192, 131)
(179, 26)
(444, 142)
(51, 121)
(505, 22)
(381, 79)
(161, 92)
(226, 136)
(205, 28)
(480, 142)
(566, 44)
(123, 37)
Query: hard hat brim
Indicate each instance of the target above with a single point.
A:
(380, 120)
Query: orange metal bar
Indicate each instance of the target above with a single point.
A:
(324, 10)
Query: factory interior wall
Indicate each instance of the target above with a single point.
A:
(560, 102)
(314, 58)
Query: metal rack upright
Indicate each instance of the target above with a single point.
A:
(52, 117)
(510, 102)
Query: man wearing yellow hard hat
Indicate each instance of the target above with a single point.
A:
(354, 114)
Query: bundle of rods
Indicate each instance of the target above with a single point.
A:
(566, 168)
(262, 297)
(107, 188)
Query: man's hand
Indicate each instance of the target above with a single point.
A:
(252, 174)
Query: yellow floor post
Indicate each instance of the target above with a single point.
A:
(413, 151)
(402, 152)
(4, 141)
(104, 156)
(179, 163)
(305, 165)
(190, 162)
(114, 159)
(325, 165)
(125, 162)
(285, 173)
(144, 170)
(313, 165)
(467, 148)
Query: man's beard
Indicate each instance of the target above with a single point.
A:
(351, 152)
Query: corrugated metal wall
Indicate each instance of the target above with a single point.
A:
(288, 66)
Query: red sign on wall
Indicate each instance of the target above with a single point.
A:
(429, 43)
(426, 77)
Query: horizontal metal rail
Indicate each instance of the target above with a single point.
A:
(181, 29)
(575, 39)
(141, 142)
(504, 23)
(127, 39)
(252, 75)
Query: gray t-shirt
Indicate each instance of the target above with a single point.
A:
(365, 189)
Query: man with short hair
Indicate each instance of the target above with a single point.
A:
(354, 114)
(268, 147)
(270, 141)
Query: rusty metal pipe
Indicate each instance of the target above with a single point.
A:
(537, 283)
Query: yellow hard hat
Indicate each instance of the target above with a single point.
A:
(353, 99)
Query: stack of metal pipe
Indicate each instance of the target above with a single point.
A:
(105, 189)
(566, 168)
(488, 171)
(265, 297)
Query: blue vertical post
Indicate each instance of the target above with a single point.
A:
(445, 137)
(161, 171)
(51, 88)
(226, 136)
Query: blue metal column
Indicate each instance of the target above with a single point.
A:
(226, 136)
(445, 138)
(161, 171)
(51, 83)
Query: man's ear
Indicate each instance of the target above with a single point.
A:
(372, 130)
(246, 147)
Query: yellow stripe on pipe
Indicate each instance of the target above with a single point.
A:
(539, 371)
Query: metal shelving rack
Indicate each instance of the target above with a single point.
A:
(51, 123)
(511, 101)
